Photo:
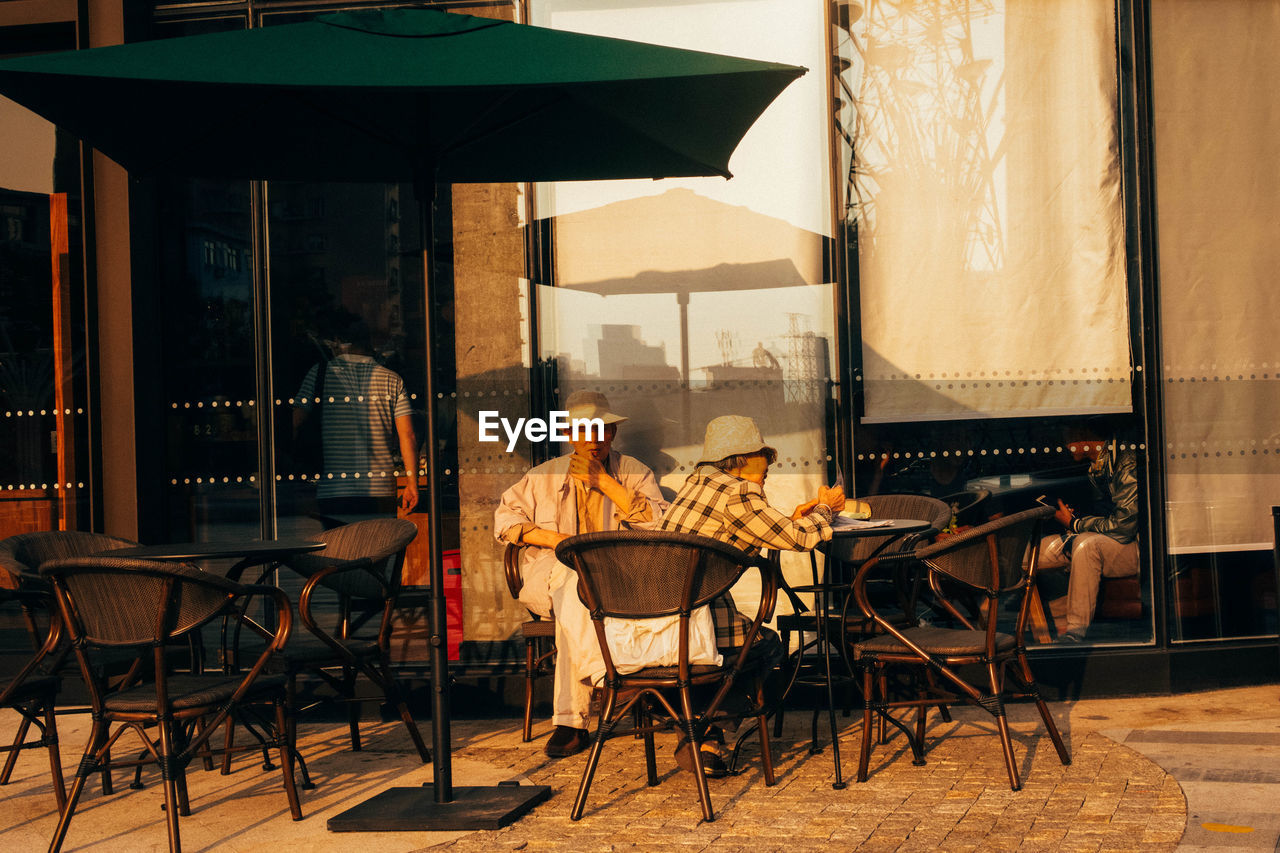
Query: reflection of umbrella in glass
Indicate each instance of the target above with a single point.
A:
(406, 95)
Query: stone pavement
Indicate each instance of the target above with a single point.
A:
(1118, 793)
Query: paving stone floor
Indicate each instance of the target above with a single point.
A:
(1110, 798)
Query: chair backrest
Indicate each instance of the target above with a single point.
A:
(118, 601)
(23, 554)
(511, 569)
(637, 574)
(918, 507)
(989, 557)
(380, 541)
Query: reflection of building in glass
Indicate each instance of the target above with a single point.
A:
(623, 355)
(806, 370)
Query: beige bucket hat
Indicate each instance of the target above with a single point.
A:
(586, 405)
(730, 435)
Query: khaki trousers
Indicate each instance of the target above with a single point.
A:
(1093, 557)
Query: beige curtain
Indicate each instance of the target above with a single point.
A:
(987, 201)
(1215, 68)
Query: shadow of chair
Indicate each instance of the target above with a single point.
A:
(986, 561)
(360, 565)
(539, 637)
(110, 604)
(638, 574)
(32, 693)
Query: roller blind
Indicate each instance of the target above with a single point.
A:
(986, 194)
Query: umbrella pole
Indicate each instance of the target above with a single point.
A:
(469, 807)
(442, 765)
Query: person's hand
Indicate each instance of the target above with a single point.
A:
(832, 497)
(1064, 514)
(409, 499)
(804, 509)
(587, 470)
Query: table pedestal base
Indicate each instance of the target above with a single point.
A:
(415, 809)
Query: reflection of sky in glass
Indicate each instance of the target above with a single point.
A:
(781, 166)
(573, 327)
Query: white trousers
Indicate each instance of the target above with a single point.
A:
(552, 587)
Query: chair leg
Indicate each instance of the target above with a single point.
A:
(93, 753)
(1002, 724)
(643, 719)
(353, 707)
(695, 746)
(1029, 684)
(603, 728)
(868, 706)
(530, 657)
(55, 757)
(287, 749)
(762, 723)
(393, 694)
(168, 775)
(12, 758)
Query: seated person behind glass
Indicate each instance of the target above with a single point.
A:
(1104, 544)
(365, 420)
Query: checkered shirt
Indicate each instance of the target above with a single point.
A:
(715, 504)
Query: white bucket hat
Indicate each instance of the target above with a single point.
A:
(587, 405)
(731, 435)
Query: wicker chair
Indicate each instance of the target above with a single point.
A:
(111, 603)
(844, 562)
(20, 559)
(361, 564)
(32, 693)
(989, 561)
(638, 574)
(539, 637)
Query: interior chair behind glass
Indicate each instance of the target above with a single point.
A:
(539, 637)
(990, 560)
(361, 565)
(109, 604)
(640, 574)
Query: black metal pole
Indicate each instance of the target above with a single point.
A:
(425, 190)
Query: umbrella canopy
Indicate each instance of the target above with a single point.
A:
(394, 95)
(403, 95)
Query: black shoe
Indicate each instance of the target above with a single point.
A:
(713, 766)
(566, 741)
(1071, 637)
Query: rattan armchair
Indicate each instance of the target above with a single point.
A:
(361, 565)
(638, 574)
(108, 604)
(539, 637)
(991, 560)
(32, 693)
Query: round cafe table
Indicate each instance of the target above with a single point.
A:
(830, 584)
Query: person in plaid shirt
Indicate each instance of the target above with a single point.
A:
(724, 499)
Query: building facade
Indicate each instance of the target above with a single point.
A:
(971, 231)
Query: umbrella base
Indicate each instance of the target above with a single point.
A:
(415, 809)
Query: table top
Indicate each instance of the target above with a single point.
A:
(219, 549)
(847, 528)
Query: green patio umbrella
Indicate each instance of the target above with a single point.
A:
(405, 95)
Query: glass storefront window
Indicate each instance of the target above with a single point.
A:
(1218, 312)
(982, 199)
(44, 427)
